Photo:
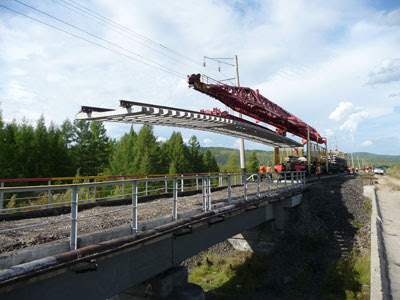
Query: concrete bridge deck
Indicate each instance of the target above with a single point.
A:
(104, 267)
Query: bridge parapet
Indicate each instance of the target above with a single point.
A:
(181, 233)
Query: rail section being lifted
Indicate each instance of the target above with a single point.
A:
(142, 113)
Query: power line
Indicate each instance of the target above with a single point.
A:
(137, 35)
(91, 42)
(116, 29)
(100, 38)
(144, 38)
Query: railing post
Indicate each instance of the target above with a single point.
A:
(277, 181)
(220, 179)
(244, 180)
(269, 183)
(88, 192)
(147, 186)
(182, 184)
(197, 182)
(229, 190)
(258, 185)
(291, 178)
(134, 207)
(94, 190)
(2, 199)
(123, 188)
(285, 180)
(73, 244)
(175, 206)
(204, 192)
(234, 179)
(49, 193)
(304, 179)
(209, 193)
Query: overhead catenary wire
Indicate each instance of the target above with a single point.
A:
(86, 40)
(160, 66)
(119, 30)
(142, 37)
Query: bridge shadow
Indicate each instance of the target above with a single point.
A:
(313, 255)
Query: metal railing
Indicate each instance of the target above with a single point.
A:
(74, 194)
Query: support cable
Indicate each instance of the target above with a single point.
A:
(100, 38)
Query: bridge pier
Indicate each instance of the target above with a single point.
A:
(102, 270)
(261, 237)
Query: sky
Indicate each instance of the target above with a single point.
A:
(334, 64)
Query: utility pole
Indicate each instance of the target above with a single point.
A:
(308, 151)
(241, 140)
(358, 159)
(352, 160)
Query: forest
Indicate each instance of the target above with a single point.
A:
(84, 148)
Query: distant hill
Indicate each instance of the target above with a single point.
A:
(222, 156)
(376, 159)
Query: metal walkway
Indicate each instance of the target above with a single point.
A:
(142, 113)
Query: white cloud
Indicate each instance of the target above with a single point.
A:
(348, 44)
(366, 143)
(352, 121)
(387, 72)
(207, 141)
(341, 111)
(329, 132)
(161, 139)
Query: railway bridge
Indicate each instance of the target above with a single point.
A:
(157, 232)
(97, 238)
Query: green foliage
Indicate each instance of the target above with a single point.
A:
(210, 163)
(223, 156)
(345, 279)
(231, 275)
(121, 160)
(252, 166)
(394, 171)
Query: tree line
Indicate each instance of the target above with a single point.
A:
(84, 148)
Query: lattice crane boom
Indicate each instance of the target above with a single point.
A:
(251, 103)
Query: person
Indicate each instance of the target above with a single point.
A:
(262, 171)
(318, 170)
(269, 171)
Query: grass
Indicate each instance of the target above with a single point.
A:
(349, 278)
(368, 205)
(231, 275)
(394, 171)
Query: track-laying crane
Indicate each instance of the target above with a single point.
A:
(251, 103)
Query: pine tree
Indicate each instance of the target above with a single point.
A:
(81, 142)
(28, 149)
(195, 156)
(210, 163)
(147, 148)
(121, 160)
(99, 148)
(178, 153)
(41, 149)
(10, 133)
(233, 165)
(252, 165)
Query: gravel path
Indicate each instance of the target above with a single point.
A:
(109, 217)
(389, 203)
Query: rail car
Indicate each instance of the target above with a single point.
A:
(288, 160)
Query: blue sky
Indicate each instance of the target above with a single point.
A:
(334, 64)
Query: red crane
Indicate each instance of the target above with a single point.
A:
(251, 103)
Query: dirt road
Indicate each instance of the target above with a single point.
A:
(388, 192)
